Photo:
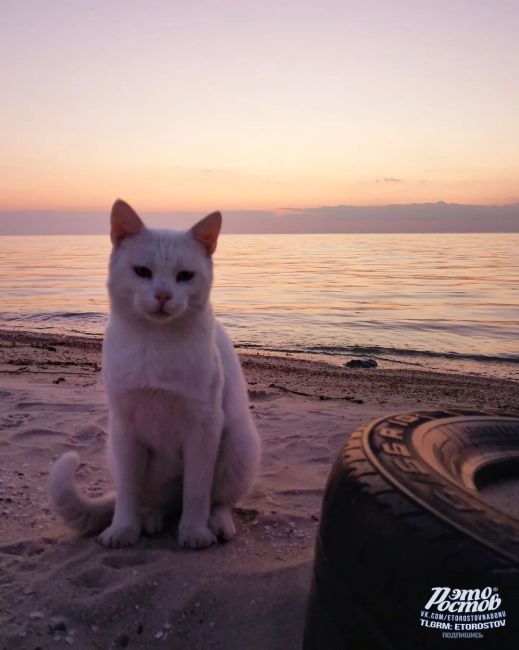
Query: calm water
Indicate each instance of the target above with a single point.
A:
(440, 301)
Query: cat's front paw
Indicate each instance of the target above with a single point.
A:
(119, 536)
(196, 538)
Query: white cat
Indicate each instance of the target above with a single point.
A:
(180, 425)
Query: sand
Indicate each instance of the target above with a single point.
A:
(247, 594)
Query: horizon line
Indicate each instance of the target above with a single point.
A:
(4, 211)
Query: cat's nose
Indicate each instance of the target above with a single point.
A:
(163, 296)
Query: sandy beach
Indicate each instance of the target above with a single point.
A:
(249, 593)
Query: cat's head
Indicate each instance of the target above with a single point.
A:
(160, 275)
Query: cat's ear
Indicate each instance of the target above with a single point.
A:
(207, 230)
(125, 222)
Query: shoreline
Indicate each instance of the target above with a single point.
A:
(448, 363)
(310, 378)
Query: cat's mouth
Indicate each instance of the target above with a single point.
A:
(160, 315)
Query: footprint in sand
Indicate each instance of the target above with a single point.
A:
(100, 574)
(90, 432)
(13, 420)
(23, 549)
(124, 561)
(47, 406)
(92, 578)
(38, 434)
(36, 441)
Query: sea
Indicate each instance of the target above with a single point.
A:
(446, 302)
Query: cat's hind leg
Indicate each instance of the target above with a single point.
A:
(221, 522)
(236, 469)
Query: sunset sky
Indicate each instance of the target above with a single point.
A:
(235, 105)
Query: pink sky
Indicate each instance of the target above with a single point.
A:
(248, 105)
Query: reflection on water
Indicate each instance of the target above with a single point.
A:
(399, 294)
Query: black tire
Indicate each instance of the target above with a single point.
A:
(401, 516)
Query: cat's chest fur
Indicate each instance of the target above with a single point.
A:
(160, 421)
(176, 365)
(162, 386)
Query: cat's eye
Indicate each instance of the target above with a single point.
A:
(185, 276)
(143, 272)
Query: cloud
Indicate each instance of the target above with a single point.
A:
(438, 217)
(389, 179)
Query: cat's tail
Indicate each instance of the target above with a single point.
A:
(82, 513)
